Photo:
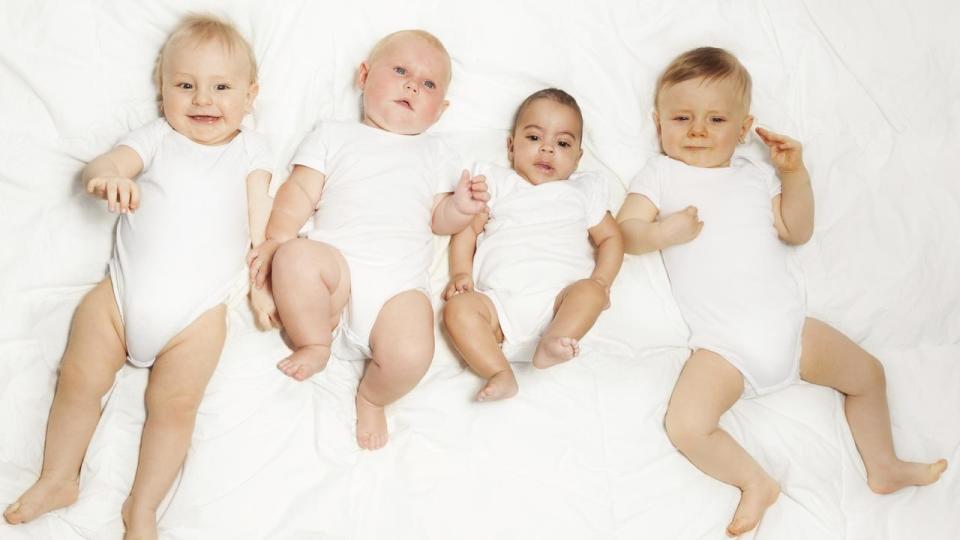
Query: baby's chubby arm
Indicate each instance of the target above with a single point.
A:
(793, 208)
(641, 234)
(258, 206)
(295, 202)
(608, 239)
(463, 246)
(110, 176)
(452, 212)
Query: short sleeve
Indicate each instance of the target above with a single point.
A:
(312, 151)
(146, 140)
(448, 168)
(760, 170)
(648, 182)
(258, 152)
(598, 194)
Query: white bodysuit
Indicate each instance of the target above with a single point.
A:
(184, 250)
(376, 208)
(535, 243)
(737, 284)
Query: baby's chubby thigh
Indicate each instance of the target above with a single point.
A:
(402, 337)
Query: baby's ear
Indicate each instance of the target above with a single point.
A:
(251, 95)
(745, 128)
(362, 73)
(510, 148)
(656, 121)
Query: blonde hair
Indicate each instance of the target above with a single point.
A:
(431, 40)
(710, 63)
(202, 28)
(553, 94)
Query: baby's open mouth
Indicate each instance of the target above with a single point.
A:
(204, 119)
(404, 103)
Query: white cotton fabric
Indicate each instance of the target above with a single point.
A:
(535, 243)
(737, 284)
(376, 208)
(183, 251)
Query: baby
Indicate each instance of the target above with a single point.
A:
(360, 281)
(724, 224)
(177, 263)
(532, 253)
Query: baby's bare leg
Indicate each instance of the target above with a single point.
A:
(402, 345)
(311, 284)
(831, 359)
(177, 382)
(471, 320)
(707, 387)
(95, 351)
(577, 309)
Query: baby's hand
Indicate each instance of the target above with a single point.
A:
(264, 308)
(680, 227)
(470, 196)
(122, 194)
(785, 153)
(260, 260)
(458, 284)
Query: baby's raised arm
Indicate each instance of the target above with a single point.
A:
(110, 176)
(463, 246)
(793, 208)
(296, 200)
(452, 212)
(642, 234)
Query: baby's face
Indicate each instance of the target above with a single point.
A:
(404, 86)
(700, 122)
(545, 145)
(206, 91)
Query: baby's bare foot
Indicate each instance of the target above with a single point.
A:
(371, 425)
(42, 497)
(305, 361)
(901, 474)
(555, 350)
(754, 501)
(138, 523)
(502, 385)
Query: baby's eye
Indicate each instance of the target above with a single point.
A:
(718, 120)
(223, 87)
(429, 84)
(533, 138)
(563, 144)
(185, 86)
(399, 70)
(681, 118)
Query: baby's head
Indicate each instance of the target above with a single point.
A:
(404, 82)
(206, 76)
(702, 107)
(544, 142)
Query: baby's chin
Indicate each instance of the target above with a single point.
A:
(702, 161)
(400, 126)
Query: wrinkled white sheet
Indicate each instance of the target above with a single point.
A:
(871, 90)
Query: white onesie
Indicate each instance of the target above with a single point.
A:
(738, 285)
(535, 243)
(376, 208)
(184, 250)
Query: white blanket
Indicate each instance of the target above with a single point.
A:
(581, 453)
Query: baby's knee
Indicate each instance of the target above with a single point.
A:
(683, 429)
(292, 256)
(412, 358)
(457, 308)
(875, 376)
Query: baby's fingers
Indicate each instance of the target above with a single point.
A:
(123, 198)
(449, 291)
(112, 196)
(134, 196)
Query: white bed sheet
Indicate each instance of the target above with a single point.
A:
(871, 90)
